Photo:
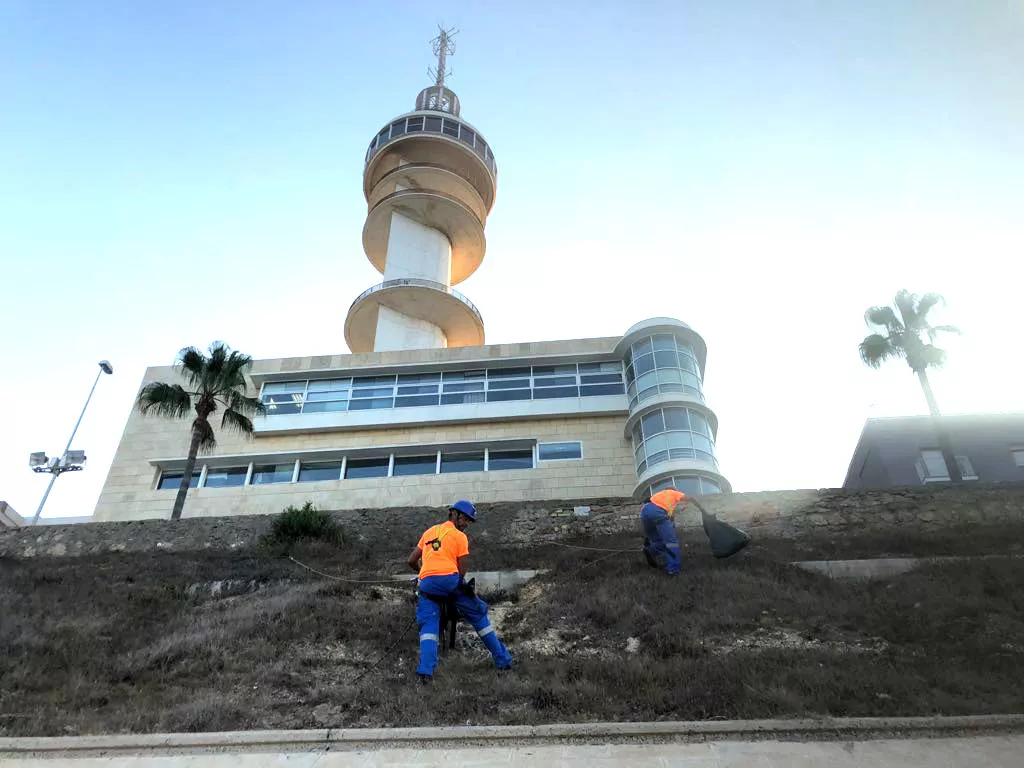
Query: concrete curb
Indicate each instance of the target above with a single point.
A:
(340, 739)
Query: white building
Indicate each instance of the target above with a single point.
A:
(423, 412)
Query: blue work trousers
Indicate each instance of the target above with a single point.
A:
(660, 540)
(470, 607)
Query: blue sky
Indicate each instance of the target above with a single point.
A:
(174, 173)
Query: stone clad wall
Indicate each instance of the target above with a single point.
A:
(777, 513)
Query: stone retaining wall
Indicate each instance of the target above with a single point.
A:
(776, 513)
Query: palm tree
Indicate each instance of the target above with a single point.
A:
(903, 339)
(215, 380)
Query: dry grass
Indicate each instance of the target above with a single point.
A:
(118, 644)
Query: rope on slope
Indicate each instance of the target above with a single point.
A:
(342, 578)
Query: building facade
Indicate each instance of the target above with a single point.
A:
(894, 452)
(422, 411)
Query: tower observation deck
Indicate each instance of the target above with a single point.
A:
(429, 181)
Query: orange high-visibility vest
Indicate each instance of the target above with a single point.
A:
(441, 547)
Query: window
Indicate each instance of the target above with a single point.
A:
(504, 384)
(687, 484)
(272, 473)
(462, 462)
(397, 128)
(372, 392)
(931, 467)
(415, 124)
(432, 124)
(521, 459)
(1018, 456)
(356, 469)
(229, 477)
(326, 395)
(468, 136)
(672, 433)
(415, 465)
(316, 471)
(559, 451)
(172, 480)
(281, 397)
(450, 127)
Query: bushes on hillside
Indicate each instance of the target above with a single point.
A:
(303, 523)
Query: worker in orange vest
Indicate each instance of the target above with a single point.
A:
(661, 545)
(440, 558)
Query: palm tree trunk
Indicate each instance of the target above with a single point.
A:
(940, 431)
(186, 479)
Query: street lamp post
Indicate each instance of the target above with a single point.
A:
(69, 461)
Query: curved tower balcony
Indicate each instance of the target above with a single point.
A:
(429, 181)
(672, 429)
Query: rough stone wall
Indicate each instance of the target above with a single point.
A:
(777, 513)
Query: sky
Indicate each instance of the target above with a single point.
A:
(176, 173)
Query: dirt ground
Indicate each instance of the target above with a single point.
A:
(200, 642)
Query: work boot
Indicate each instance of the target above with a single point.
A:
(424, 679)
(650, 560)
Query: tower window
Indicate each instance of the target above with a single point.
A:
(432, 124)
(451, 128)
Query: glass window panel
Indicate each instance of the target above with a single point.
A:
(504, 395)
(321, 396)
(656, 458)
(508, 384)
(369, 404)
(688, 485)
(280, 409)
(415, 124)
(319, 470)
(687, 363)
(653, 423)
(284, 386)
(638, 435)
(601, 389)
(373, 381)
(467, 136)
(642, 347)
(481, 146)
(462, 398)
(631, 391)
(661, 485)
(691, 381)
(465, 386)
(173, 480)
(675, 418)
(415, 465)
(507, 373)
(432, 124)
(682, 453)
(397, 128)
(601, 378)
(630, 375)
(414, 401)
(373, 392)
(663, 341)
(330, 385)
(612, 366)
(701, 443)
(554, 381)
(359, 468)
(560, 451)
(272, 473)
(419, 389)
(226, 478)
(656, 444)
(699, 424)
(419, 378)
(670, 376)
(450, 127)
(679, 439)
(462, 462)
(520, 459)
(463, 376)
(683, 346)
(666, 358)
(638, 452)
(709, 486)
(331, 406)
(554, 370)
(552, 392)
(643, 364)
(382, 136)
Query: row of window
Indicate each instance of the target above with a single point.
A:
(672, 433)
(447, 126)
(931, 467)
(691, 486)
(450, 388)
(661, 363)
(390, 465)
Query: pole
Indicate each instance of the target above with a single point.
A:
(56, 470)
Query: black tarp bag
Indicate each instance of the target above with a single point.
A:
(725, 540)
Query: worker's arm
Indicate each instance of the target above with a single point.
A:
(414, 559)
(462, 565)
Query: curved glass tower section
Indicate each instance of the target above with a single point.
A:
(672, 429)
(429, 181)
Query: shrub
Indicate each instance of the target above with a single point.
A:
(305, 522)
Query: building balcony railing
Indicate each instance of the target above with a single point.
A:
(448, 126)
(416, 282)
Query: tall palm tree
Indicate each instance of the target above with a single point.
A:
(215, 380)
(911, 337)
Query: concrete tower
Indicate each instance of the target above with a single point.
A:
(429, 181)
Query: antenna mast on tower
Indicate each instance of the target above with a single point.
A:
(443, 46)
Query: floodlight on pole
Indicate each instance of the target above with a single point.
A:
(69, 461)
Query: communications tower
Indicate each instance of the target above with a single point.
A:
(429, 181)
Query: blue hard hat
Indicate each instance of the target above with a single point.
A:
(465, 507)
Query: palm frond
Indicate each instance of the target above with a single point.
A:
(906, 303)
(191, 365)
(876, 349)
(246, 406)
(162, 399)
(944, 329)
(232, 376)
(883, 317)
(218, 355)
(930, 356)
(924, 306)
(236, 422)
(207, 439)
